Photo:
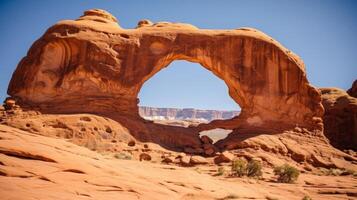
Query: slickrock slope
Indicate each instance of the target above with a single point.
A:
(37, 167)
(92, 65)
(185, 114)
(340, 119)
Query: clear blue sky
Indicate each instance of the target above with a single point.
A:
(323, 33)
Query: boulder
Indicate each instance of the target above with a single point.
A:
(224, 157)
(209, 149)
(168, 160)
(206, 140)
(9, 103)
(185, 161)
(131, 143)
(144, 156)
(353, 90)
(198, 160)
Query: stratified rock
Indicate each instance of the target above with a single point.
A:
(340, 119)
(92, 65)
(224, 157)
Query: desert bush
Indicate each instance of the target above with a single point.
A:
(123, 156)
(239, 167)
(254, 169)
(337, 172)
(220, 171)
(286, 173)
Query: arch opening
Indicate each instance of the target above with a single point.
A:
(185, 94)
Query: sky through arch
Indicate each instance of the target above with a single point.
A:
(183, 84)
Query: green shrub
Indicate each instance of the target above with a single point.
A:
(251, 169)
(254, 169)
(239, 167)
(220, 171)
(286, 173)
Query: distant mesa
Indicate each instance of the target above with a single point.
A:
(203, 116)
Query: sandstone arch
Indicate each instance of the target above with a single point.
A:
(93, 65)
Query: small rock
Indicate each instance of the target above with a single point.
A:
(297, 129)
(206, 140)
(131, 143)
(224, 157)
(180, 155)
(144, 22)
(146, 146)
(144, 156)
(185, 161)
(307, 168)
(168, 160)
(9, 103)
(209, 152)
(198, 160)
(305, 130)
(209, 149)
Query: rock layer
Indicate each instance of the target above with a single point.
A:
(92, 65)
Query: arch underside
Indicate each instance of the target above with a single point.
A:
(78, 67)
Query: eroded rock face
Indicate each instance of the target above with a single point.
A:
(92, 65)
(340, 119)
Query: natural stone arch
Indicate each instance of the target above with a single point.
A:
(103, 67)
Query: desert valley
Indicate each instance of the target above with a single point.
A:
(72, 127)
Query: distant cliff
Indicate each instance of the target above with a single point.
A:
(184, 114)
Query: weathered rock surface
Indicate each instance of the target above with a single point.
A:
(340, 119)
(92, 65)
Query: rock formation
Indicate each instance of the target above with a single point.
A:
(185, 114)
(92, 65)
(353, 90)
(340, 119)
